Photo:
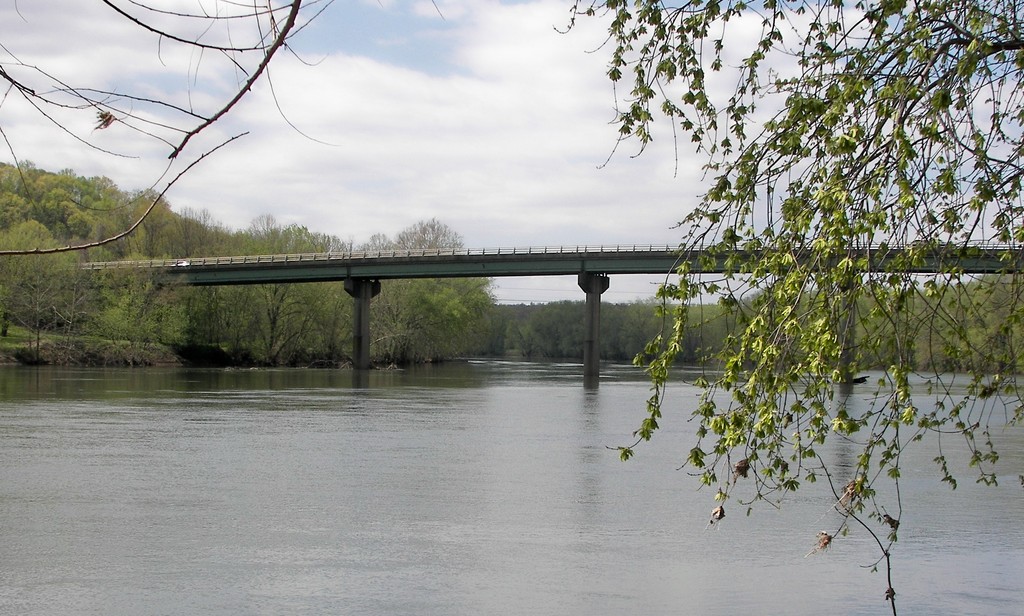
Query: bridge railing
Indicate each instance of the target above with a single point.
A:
(380, 254)
(357, 255)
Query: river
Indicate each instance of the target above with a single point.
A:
(473, 488)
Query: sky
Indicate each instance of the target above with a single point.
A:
(483, 114)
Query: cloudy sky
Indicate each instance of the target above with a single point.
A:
(479, 113)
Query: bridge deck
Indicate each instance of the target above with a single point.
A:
(493, 262)
(381, 265)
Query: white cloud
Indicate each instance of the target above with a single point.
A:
(499, 129)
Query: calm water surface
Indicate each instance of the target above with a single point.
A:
(477, 488)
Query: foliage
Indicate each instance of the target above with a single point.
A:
(848, 146)
(554, 330)
(424, 320)
(137, 310)
(43, 293)
(276, 324)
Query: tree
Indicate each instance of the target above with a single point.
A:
(423, 320)
(196, 234)
(555, 331)
(41, 293)
(233, 39)
(835, 131)
(280, 316)
(139, 311)
(428, 235)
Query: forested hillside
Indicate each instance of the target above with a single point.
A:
(66, 315)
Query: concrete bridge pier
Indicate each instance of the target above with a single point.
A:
(593, 285)
(362, 290)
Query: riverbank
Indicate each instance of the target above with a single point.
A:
(90, 353)
(19, 347)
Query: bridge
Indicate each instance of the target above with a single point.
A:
(362, 272)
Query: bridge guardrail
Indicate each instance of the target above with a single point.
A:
(378, 254)
(419, 253)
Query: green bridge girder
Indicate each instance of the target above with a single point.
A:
(323, 267)
(543, 261)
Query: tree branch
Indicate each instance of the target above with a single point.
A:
(277, 44)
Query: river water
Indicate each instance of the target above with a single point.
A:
(473, 488)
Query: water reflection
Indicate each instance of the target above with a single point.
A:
(476, 488)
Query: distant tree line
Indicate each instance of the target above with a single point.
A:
(555, 331)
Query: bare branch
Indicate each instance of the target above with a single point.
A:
(247, 86)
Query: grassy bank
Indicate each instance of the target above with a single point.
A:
(20, 346)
